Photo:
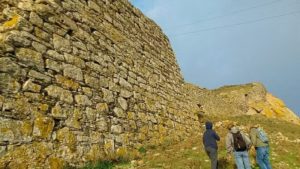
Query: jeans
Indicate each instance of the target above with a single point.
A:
(242, 160)
(213, 156)
(262, 157)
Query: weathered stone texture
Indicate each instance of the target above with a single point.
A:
(82, 79)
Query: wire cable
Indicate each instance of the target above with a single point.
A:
(228, 14)
(236, 24)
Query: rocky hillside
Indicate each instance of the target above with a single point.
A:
(248, 99)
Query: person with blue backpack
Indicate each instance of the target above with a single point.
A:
(260, 141)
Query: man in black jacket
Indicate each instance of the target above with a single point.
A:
(210, 138)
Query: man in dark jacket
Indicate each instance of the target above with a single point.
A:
(210, 138)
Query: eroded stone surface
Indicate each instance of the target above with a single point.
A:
(82, 80)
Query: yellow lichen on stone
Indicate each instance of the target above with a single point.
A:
(67, 83)
(12, 22)
(67, 137)
(130, 115)
(55, 163)
(43, 127)
(74, 119)
(95, 153)
(102, 107)
(122, 152)
(43, 107)
(26, 128)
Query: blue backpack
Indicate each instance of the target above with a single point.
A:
(262, 135)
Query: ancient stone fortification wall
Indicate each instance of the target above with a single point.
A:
(82, 78)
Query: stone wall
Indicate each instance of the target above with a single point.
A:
(80, 79)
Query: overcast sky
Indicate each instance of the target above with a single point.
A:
(225, 42)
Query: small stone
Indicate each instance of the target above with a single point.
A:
(39, 47)
(69, 22)
(92, 81)
(116, 129)
(87, 91)
(61, 44)
(108, 95)
(102, 107)
(123, 103)
(126, 93)
(90, 114)
(58, 113)
(67, 82)
(101, 124)
(53, 54)
(124, 83)
(73, 72)
(119, 112)
(94, 6)
(30, 86)
(51, 64)
(74, 60)
(83, 100)
(41, 34)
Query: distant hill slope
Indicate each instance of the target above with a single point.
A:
(250, 99)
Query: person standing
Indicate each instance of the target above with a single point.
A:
(210, 138)
(238, 144)
(261, 143)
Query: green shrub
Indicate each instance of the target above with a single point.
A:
(99, 165)
(142, 150)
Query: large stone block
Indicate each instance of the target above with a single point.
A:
(74, 119)
(8, 84)
(83, 100)
(74, 60)
(36, 19)
(58, 92)
(39, 76)
(30, 57)
(73, 72)
(43, 127)
(7, 65)
(30, 86)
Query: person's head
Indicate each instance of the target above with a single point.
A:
(230, 126)
(208, 125)
(254, 126)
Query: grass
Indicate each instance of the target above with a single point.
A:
(189, 154)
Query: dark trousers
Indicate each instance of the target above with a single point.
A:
(213, 156)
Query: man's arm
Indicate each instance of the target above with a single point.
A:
(228, 141)
(253, 136)
(247, 140)
(216, 136)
